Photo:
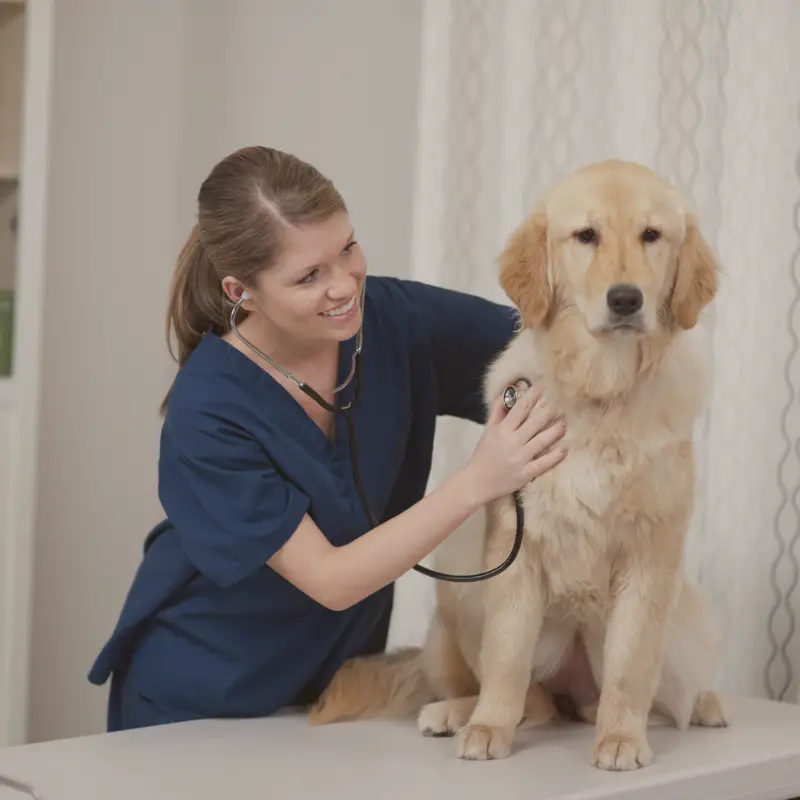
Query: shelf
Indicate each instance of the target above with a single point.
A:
(12, 66)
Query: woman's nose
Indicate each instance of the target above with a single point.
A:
(343, 285)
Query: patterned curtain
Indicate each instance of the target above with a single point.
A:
(517, 92)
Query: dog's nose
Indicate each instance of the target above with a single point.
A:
(624, 299)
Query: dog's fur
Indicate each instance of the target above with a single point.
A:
(602, 557)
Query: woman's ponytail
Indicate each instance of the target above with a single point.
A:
(196, 301)
(244, 207)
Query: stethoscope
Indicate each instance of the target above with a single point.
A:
(510, 396)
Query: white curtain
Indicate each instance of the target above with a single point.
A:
(517, 92)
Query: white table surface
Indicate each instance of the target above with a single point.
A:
(281, 757)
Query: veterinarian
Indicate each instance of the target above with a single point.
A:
(265, 576)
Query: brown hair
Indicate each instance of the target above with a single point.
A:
(244, 205)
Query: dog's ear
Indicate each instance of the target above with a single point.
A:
(696, 278)
(523, 270)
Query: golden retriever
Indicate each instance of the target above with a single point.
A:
(610, 274)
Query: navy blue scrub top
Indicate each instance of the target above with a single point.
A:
(207, 629)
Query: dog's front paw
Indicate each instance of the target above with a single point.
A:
(620, 751)
(482, 742)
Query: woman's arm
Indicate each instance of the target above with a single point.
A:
(339, 577)
(514, 449)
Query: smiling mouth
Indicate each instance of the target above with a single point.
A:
(341, 310)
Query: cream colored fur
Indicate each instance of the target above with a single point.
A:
(602, 557)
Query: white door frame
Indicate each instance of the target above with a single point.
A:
(16, 564)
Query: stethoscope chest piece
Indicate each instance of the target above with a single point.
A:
(511, 394)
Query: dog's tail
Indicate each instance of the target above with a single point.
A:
(390, 685)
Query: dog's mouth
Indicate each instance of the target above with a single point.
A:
(625, 326)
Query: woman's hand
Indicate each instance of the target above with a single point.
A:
(516, 446)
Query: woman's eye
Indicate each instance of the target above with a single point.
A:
(349, 248)
(310, 277)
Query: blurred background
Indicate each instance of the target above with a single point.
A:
(440, 121)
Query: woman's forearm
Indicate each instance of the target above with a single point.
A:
(339, 577)
(362, 567)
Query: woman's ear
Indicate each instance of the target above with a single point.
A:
(696, 278)
(235, 292)
(523, 270)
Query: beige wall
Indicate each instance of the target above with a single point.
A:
(147, 96)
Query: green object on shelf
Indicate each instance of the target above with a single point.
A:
(6, 329)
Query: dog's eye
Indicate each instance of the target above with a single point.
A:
(586, 236)
(650, 235)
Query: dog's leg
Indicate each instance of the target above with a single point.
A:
(451, 678)
(633, 656)
(513, 615)
(691, 655)
(446, 668)
(507, 696)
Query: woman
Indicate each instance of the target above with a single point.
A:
(265, 576)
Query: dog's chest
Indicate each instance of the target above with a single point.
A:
(578, 515)
(603, 460)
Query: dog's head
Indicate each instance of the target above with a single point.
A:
(615, 242)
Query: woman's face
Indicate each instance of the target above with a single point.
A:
(314, 291)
